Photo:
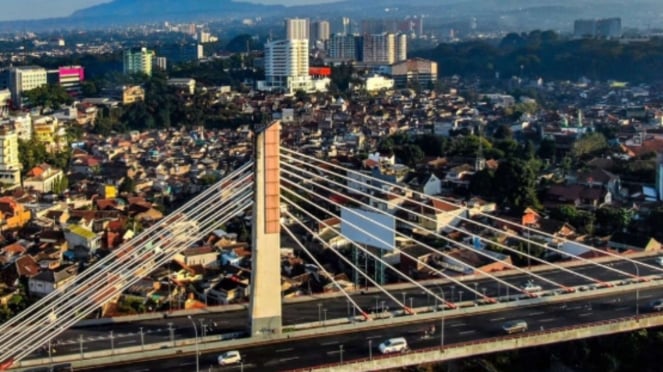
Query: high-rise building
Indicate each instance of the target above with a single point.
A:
(319, 31)
(401, 48)
(345, 47)
(138, 61)
(296, 29)
(10, 167)
(5, 99)
(346, 25)
(601, 28)
(287, 65)
(22, 79)
(384, 48)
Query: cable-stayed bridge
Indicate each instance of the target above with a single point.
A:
(369, 225)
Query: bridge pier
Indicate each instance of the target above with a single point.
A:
(265, 296)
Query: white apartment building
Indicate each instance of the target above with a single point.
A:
(25, 78)
(384, 48)
(286, 66)
(10, 167)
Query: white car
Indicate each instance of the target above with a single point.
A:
(229, 357)
(514, 326)
(659, 261)
(393, 345)
(532, 287)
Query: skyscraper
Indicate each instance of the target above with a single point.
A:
(345, 47)
(384, 48)
(138, 61)
(296, 29)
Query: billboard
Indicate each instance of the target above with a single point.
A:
(374, 229)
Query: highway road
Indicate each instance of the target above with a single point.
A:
(164, 330)
(328, 349)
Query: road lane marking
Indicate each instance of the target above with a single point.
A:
(127, 342)
(458, 325)
(466, 332)
(285, 350)
(537, 313)
(288, 359)
(372, 337)
(646, 296)
(187, 364)
(329, 343)
(497, 319)
(585, 314)
(547, 320)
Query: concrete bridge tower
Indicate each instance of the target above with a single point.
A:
(265, 304)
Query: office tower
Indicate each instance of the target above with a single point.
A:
(319, 31)
(22, 79)
(286, 65)
(296, 29)
(10, 167)
(138, 61)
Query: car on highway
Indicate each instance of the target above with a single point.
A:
(659, 260)
(514, 326)
(229, 357)
(393, 345)
(530, 286)
(656, 305)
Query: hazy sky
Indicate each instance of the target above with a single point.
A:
(36, 9)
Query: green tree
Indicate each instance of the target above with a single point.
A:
(515, 182)
(547, 149)
(49, 96)
(589, 144)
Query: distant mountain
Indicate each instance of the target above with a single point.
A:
(170, 8)
(122, 11)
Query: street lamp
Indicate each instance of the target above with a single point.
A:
(340, 349)
(637, 290)
(476, 291)
(370, 349)
(142, 339)
(195, 332)
(442, 322)
(319, 313)
(325, 320)
(460, 295)
(112, 343)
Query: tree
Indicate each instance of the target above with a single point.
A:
(482, 183)
(589, 144)
(49, 96)
(547, 149)
(515, 182)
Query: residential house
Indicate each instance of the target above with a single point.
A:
(441, 215)
(79, 236)
(459, 176)
(13, 215)
(43, 178)
(48, 281)
(426, 183)
(204, 256)
(227, 290)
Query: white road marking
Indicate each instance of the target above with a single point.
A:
(127, 342)
(329, 343)
(547, 320)
(466, 332)
(646, 296)
(372, 337)
(458, 325)
(496, 319)
(187, 364)
(537, 313)
(285, 350)
(585, 314)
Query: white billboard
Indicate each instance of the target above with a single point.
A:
(369, 228)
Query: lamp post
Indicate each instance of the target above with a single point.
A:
(80, 344)
(325, 319)
(319, 313)
(637, 290)
(340, 349)
(476, 292)
(460, 295)
(112, 341)
(142, 339)
(370, 349)
(442, 323)
(195, 333)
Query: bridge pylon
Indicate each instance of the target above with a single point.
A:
(265, 297)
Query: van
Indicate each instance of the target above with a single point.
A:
(514, 326)
(393, 345)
